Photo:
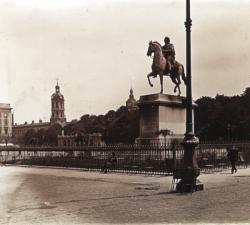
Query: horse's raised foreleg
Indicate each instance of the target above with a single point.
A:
(152, 74)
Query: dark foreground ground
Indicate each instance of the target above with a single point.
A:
(60, 196)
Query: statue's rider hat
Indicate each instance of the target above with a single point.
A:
(167, 40)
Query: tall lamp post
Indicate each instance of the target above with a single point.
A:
(190, 170)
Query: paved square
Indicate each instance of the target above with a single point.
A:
(60, 196)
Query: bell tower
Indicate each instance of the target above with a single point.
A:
(131, 103)
(57, 107)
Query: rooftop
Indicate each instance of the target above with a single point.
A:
(5, 105)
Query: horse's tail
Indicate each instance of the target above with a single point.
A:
(183, 76)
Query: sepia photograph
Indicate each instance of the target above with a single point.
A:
(124, 112)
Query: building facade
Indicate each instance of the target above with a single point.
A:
(5, 123)
(19, 130)
(57, 117)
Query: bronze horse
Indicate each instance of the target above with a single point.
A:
(161, 67)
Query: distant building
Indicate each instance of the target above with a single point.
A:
(131, 103)
(94, 139)
(57, 108)
(19, 130)
(5, 123)
(57, 117)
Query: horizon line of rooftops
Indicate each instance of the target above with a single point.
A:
(40, 122)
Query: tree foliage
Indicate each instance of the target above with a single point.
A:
(52, 133)
(120, 126)
(42, 136)
(223, 117)
(29, 137)
(219, 118)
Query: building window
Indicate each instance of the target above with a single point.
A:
(6, 130)
(5, 119)
(56, 104)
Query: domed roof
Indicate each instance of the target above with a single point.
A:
(131, 103)
(57, 94)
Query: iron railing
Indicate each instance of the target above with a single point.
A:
(152, 159)
(213, 156)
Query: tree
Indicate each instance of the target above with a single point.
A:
(40, 135)
(52, 133)
(124, 128)
(115, 126)
(30, 137)
(223, 117)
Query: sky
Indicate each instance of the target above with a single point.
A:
(97, 50)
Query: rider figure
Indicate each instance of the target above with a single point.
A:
(169, 52)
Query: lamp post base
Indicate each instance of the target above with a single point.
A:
(184, 187)
(189, 181)
(190, 171)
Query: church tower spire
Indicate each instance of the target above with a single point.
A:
(131, 103)
(57, 107)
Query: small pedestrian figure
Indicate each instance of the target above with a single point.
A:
(109, 163)
(232, 154)
(113, 160)
(105, 166)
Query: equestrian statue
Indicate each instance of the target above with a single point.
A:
(164, 64)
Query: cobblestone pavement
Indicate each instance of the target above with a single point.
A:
(61, 196)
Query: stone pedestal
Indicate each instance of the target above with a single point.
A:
(160, 112)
